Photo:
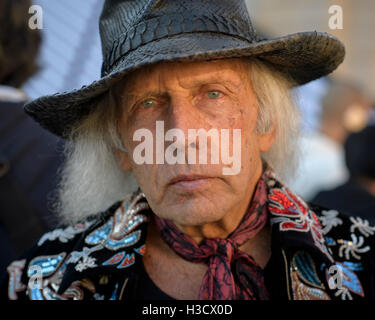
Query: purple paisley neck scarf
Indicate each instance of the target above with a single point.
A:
(232, 274)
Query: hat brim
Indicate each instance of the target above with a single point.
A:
(304, 57)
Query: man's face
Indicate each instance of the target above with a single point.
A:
(198, 95)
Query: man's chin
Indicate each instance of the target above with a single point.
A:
(193, 212)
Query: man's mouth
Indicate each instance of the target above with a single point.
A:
(190, 182)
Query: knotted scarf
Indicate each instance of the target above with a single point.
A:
(232, 274)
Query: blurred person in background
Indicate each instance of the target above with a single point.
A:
(345, 109)
(28, 154)
(357, 195)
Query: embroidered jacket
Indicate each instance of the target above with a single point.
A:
(317, 254)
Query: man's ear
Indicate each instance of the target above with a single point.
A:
(266, 140)
(123, 159)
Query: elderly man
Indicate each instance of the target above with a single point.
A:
(169, 224)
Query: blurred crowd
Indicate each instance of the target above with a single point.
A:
(337, 161)
(337, 164)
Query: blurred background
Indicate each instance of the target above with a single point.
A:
(70, 55)
(288, 16)
(333, 167)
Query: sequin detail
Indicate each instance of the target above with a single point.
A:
(15, 285)
(349, 280)
(83, 258)
(141, 250)
(306, 284)
(64, 235)
(293, 214)
(118, 232)
(122, 260)
(47, 264)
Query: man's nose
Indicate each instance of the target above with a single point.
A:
(182, 115)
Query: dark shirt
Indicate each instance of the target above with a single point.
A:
(146, 289)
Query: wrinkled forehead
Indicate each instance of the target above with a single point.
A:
(186, 74)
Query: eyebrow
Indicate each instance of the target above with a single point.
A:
(131, 98)
(212, 78)
(128, 100)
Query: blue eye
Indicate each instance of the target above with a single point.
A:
(214, 94)
(149, 103)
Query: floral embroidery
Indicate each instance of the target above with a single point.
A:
(64, 235)
(329, 220)
(53, 269)
(122, 260)
(141, 250)
(46, 264)
(349, 281)
(330, 241)
(82, 258)
(355, 266)
(15, 285)
(118, 232)
(362, 225)
(47, 288)
(293, 214)
(352, 247)
(76, 289)
(306, 284)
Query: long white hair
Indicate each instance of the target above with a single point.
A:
(91, 179)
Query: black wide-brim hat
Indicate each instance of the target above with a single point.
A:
(144, 32)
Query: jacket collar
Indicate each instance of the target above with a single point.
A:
(294, 223)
